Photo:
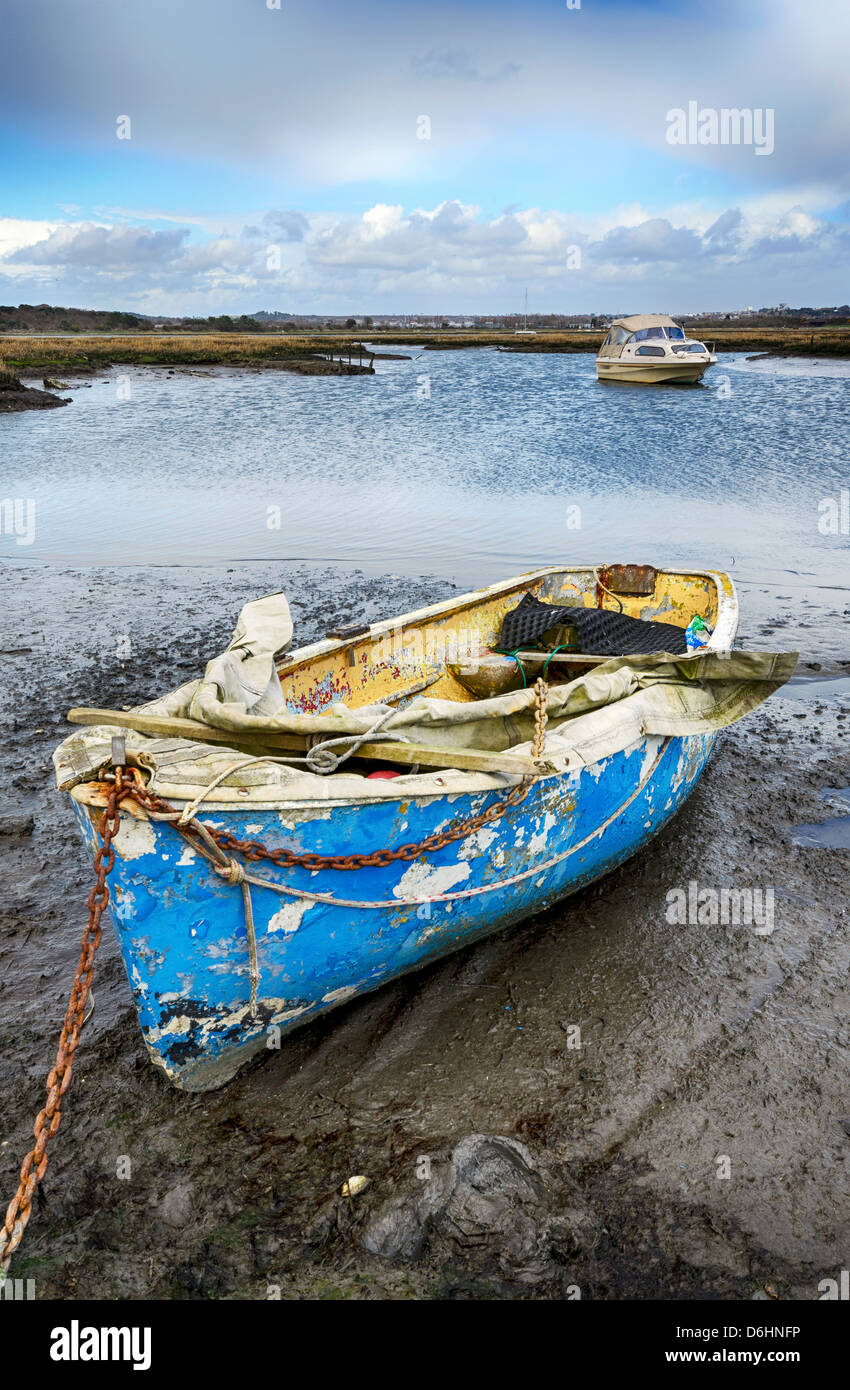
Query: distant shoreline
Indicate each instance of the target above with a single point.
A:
(309, 353)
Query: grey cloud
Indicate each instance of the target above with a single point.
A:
(654, 240)
(139, 258)
(280, 225)
(419, 240)
(832, 241)
(725, 234)
(780, 245)
(449, 257)
(112, 248)
(284, 90)
(455, 64)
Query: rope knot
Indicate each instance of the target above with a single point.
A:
(323, 761)
(233, 871)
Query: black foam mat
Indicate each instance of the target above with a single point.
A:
(599, 632)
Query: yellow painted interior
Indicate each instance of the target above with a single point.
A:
(394, 661)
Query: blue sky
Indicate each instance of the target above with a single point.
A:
(421, 157)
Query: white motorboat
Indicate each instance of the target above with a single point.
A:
(653, 348)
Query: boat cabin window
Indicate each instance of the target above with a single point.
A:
(672, 331)
(620, 335)
(649, 352)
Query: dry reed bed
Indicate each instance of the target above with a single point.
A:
(154, 349)
(23, 354)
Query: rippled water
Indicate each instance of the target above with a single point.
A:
(470, 464)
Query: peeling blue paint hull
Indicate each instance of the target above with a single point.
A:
(182, 930)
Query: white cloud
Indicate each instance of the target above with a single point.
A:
(450, 256)
(16, 233)
(87, 244)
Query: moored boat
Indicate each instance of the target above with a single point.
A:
(651, 348)
(289, 885)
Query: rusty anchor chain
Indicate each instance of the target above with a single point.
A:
(287, 859)
(48, 1120)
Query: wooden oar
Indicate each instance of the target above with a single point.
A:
(408, 754)
(568, 658)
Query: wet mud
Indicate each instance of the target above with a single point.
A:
(508, 1154)
(15, 396)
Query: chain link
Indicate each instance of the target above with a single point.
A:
(378, 859)
(48, 1120)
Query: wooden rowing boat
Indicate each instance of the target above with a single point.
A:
(326, 935)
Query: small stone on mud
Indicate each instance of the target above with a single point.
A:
(490, 1197)
(354, 1185)
(176, 1206)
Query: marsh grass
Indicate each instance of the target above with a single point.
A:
(240, 349)
(155, 350)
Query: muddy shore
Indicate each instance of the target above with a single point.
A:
(15, 396)
(21, 396)
(696, 1042)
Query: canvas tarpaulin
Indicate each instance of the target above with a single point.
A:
(590, 718)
